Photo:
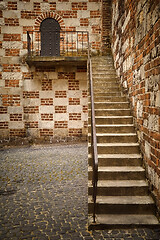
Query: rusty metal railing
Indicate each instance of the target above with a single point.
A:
(71, 43)
(94, 152)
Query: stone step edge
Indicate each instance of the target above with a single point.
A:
(118, 156)
(119, 183)
(113, 169)
(108, 221)
(122, 200)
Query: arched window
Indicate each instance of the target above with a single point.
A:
(50, 37)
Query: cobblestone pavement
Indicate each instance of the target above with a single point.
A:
(43, 195)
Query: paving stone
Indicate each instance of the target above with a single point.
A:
(43, 195)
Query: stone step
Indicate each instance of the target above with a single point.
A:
(120, 188)
(112, 112)
(109, 78)
(107, 90)
(116, 148)
(111, 105)
(112, 120)
(107, 221)
(109, 99)
(115, 138)
(119, 173)
(108, 94)
(117, 160)
(110, 71)
(104, 84)
(112, 128)
(122, 205)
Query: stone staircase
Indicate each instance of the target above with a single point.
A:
(122, 195)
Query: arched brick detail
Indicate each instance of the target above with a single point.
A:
(45, 15)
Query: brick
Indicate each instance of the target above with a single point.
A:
(31, 109)
(11, 37)
(61, 124)
(46, 84)
(84, 22)
(74, 101)
(77, 132)
(60, 109)
(31, 124)
(30, 94)
(85, 109)
(3, 110)
(12, 52)
(11, 100)
(66, 75)
(11, 21)
(46, 132)
(46, 101)
(17, 133)
(73, 84)
(11, 83)
(84, 93)
(60, 94)
(12, 5)
(79, 6)
(11, 68)
(15, 117)
(75, 116)
(47, 116)
(3, 125)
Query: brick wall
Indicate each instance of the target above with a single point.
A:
(136, 51)
(49, 103)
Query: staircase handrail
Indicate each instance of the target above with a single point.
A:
(93, 141)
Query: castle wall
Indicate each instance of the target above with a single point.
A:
(43, 104)
(136, 51)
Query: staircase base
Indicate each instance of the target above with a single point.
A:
(113, 221)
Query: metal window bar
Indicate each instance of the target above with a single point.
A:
(70, 42)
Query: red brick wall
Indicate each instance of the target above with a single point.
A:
(136, 51)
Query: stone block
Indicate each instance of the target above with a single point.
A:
(61, 132)
(16, 125)
(74, 108)
(64, 6)
(75, 124)
(153, 122)
(31, 102)
(4, 117)
(45, 6)
(15, 109)
(11, 75)
(32, 117)
(46, 124)
(12, 45)
(26, 22)
(147, 150)
(46, 109)
(12, 14)
(126, 22)
(11, 60)
(74, 22)
(139, 109)
(157, 102)
(46, 94)
(60, 102)
(61, 117)
(12, 29)
(31, 85)
(26, 6)
(93, 6)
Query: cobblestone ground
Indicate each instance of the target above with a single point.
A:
(43, 195)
